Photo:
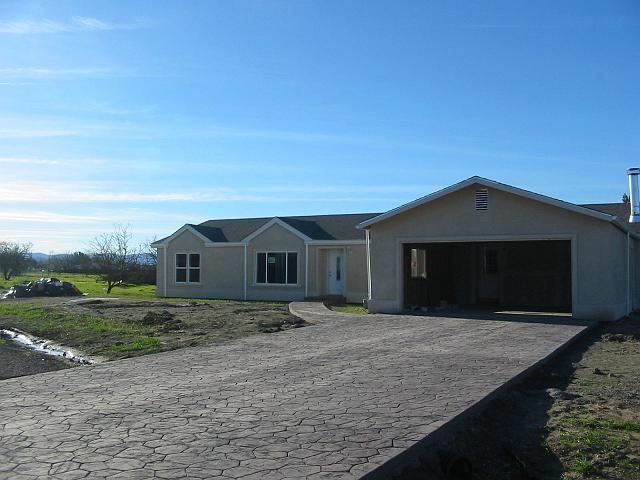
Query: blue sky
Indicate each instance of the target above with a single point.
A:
(158, 113)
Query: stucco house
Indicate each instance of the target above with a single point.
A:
(279, 258)
(476, 243)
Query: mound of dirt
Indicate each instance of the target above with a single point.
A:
(157, 318)
(165, 319)
(278, 325)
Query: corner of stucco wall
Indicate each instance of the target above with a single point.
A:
(383, 306)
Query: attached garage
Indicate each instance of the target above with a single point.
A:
(531, 275)
(481, 243)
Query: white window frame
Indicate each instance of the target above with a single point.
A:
(286, 268)
(187, 268)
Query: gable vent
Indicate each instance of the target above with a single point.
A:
(482, 199)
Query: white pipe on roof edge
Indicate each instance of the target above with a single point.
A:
(634, 195)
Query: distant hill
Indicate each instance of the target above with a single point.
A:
(145, 258)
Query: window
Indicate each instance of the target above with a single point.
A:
(418, 263)
(482, 199)
(187, 268)
(280, 268)
(490, 261)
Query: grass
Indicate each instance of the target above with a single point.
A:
(90, 333)
(144, 343)
(583, 466)
(114, 333)
(87, 283)
(596, 424)
(594, 440)
(120, 329)
(2, 341)
(349, 308)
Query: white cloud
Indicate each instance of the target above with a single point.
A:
(28, 161)
(75, 24)
(36, 73)
(35, 133)
(44, 217)
(30, 192)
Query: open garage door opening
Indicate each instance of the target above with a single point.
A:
(517, 275)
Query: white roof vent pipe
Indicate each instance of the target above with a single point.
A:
(634, 195)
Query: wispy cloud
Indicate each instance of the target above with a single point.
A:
(44, 217)
(75, 24)
(9, 74)
(35, 133)
(30, 192)
(573, 23)
(28, 161)
(37, 73)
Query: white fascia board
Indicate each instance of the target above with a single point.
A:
(272, 222)
(336, 242)
(621, 225)
(225, 244)
(491, 184)
(184, 228)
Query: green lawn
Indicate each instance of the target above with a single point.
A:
(349, 308)
(117, 328)
(86, 283)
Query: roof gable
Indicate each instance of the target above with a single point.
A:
(185, 228)
(271, 223)
(311, 228)
(491, 184)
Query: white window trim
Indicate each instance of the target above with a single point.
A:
(187, 268)
(286, 269)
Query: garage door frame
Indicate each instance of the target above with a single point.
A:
(401, 241)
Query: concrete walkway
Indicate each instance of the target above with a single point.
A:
(339, 399)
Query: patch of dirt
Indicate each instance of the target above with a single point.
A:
(578, 417)
(16, 361)
(102, 327)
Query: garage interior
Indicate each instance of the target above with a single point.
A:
(516, 275)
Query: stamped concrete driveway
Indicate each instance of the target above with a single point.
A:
(339, 399)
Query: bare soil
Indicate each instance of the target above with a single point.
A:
(578, 417)
(118, 328)
(16, 361)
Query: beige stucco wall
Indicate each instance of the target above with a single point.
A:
(221, 271)
(598, 247)
(275, 238)
(635, 274)
(355, 264)
(356, 278)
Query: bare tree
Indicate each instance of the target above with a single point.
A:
(150, 252)
(117, 260)
(15, 258)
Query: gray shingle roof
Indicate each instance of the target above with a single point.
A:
(316, 227)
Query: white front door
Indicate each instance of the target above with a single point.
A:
(335, 272)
